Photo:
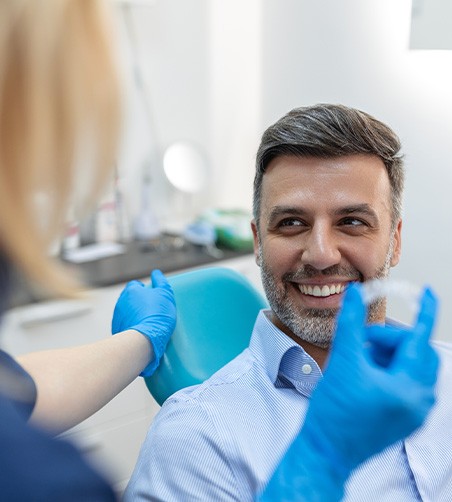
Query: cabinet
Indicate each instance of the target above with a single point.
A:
(112, 436)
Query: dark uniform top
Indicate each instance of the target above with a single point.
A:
(34, 466)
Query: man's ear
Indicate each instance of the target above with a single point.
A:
(397, 251)
(256, 242)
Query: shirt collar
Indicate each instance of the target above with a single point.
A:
(286, 363)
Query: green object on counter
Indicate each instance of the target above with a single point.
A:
(233, 228)
(227, 239)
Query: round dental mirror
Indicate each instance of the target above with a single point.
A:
(185, 167)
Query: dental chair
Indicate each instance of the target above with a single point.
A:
(216, 311)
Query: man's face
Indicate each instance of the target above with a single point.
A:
(323, 224)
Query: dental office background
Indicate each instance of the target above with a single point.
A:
(214, 74)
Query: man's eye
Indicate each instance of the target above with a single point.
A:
(352, 222)
(291, 222)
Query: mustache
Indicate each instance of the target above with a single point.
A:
(308, 272)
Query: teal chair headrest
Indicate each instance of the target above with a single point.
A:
(216, 312)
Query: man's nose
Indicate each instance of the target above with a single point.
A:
(320, 249)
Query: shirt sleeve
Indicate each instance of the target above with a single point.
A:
(183, 458)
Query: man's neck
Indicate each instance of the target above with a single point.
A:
(319, 354)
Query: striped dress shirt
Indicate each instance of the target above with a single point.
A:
(221, 440)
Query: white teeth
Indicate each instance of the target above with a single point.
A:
(322, 291)
(326, 291)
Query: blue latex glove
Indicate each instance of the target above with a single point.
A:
(151, 310)
(378, 388)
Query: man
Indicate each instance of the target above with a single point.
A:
(327, 213)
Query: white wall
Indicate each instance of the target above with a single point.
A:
(430, 27)
(201, 60)
(172, 53)
(355, 52)
(236, 98)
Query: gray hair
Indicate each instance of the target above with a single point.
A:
(325, 131)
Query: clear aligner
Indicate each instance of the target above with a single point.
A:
(382, 288)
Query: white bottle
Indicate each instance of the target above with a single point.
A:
(106, 224)
(71, 237)
(147, 226)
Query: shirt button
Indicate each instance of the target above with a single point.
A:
(306, 369)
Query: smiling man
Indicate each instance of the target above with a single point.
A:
(327, 212)
(323, 223)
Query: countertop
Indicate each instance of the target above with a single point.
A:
(139, 259)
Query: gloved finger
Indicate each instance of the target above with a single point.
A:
(427, 315)
(386, 336)
(415, 354)
(419, 361)
(351, 320)
(382, 342)
(133, 285)
(391, 336)
(423, 329)
(158, 280)
(128, 288)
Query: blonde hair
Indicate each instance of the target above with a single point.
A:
(59, 104)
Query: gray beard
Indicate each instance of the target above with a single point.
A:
(316, 326)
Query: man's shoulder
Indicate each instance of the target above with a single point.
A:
(213, 412)
(203, 425)
(444, 350)
(443, 347)
(237, 375)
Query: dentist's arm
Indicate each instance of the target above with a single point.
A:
(377, 389)
(74, 383)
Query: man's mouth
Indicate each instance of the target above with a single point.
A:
(323, 290)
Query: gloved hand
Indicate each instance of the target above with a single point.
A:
(151, 310)
(378, 388)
